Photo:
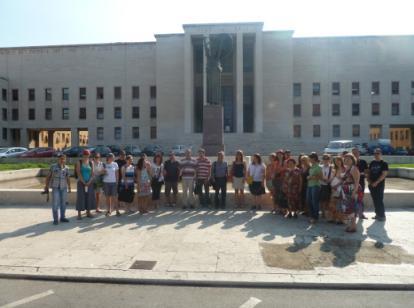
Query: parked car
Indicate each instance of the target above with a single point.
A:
(383, 144)
(400, 151)
(363, 148)
(336, 147)
(12, 152)
(102, 150)
(115, 149)
(411, 152)
(133, 150)
(151, 150)
(39, 152)
(179, 150)
(75, 151)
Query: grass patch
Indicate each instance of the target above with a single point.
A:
(401, 166)
(18, 166)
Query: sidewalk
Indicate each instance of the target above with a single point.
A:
(207, 248)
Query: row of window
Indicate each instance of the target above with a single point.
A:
(82, 113)
(100, 133)
(31, 93)
(355, 88)
(336, 131)
(336, 109)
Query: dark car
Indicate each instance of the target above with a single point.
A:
(383, 144)
(39, 152)
(151, 150)
(102, 150)
(75, 151)
(115, 149)
(133, 150)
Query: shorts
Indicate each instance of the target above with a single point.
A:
(169, 186)
(257, 189)
(238, 183)
(110, 189)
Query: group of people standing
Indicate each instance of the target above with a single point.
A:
(334, 187)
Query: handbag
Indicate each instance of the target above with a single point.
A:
(249, 180)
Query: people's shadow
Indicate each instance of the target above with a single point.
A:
(377, 232)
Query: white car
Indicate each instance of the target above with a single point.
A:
(12, 152)
(179, 150)
(337, 147)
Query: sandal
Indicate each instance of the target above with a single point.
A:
(108, 214)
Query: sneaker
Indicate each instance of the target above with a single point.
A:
(64, 219)
(55, 222)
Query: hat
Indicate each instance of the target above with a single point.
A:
(86, 152)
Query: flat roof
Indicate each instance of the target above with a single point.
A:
(80, 45)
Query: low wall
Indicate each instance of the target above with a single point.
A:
(403, 173)
(11, 175)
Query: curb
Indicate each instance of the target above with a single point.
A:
(215, 284)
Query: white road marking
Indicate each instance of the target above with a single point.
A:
(253, 301)
(28, 299)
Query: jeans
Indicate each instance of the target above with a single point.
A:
(312, 197)
(59, 197)
(377, 195)
(204, 198)
(188, 191)
(220, 184)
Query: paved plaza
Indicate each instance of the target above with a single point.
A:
(207, 247)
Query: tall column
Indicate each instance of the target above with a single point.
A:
(74, 137)
(188, 85)
(50, 136)
(258, 83)
(23, 137)
(204, 73)
(239, 82)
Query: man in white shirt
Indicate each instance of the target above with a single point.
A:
(110, 183)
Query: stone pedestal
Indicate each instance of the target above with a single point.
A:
(213, 136)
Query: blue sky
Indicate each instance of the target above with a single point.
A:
(52, 22)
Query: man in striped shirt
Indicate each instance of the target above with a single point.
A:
(188, 173)
(203, 177)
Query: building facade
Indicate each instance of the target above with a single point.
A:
(277, 91)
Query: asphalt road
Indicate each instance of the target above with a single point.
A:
(25, 293)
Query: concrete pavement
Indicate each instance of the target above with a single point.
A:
(208, 248)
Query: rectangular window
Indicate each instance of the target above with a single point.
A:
(316, 89)
(4, 94)
(117, 93)
(135, 133)
(15, 95)
(395, 109)
(153, 92)
(336, 110)
(316, 130)
(4, 133)
(32, 114)
(375, 109)
(336, 88)
(412, 88)
(99, 93)
(118, 133)
(4, 114)
(135, 112)
(15, 114)
(118, 113)
(65, 94)
(412, 109)
(395, 88)
(100, 113)
(82, 93)
(82, 113)
(297, 89)
(65, 113)
(297, 131)
(48, 94)
(336, 131)
(153, 132)
(31, 95)
(135, 92)
(375, 88)
(48, 113)
(356, 130)
(355, 110)
(297, 110)
(355, 88)
(153, 112)
(316, 110)
(99, 133)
